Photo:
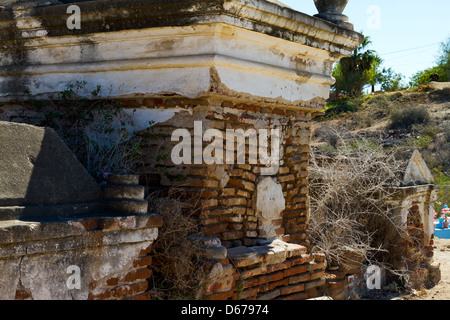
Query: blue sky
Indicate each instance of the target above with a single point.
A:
(405, 33)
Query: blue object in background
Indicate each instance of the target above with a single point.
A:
(441, 233)
(439, 224)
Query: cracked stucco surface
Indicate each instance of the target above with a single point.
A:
(39, 263)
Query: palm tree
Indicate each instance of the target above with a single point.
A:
(356, 71)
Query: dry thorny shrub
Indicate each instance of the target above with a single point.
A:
(178, 267)
(350, 216)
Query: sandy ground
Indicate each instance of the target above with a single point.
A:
(442, 290)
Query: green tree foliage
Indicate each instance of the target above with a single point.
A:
(444, 57)
(390, 80)
(442, 67)
(442, 182)
(352, 74)
(423, 77)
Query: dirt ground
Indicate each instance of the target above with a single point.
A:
(442, 290)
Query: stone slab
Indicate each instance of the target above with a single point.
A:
(38, 169)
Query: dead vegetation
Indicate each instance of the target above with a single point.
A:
(350, 220)
(178, 266)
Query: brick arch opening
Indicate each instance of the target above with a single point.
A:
(415, 227)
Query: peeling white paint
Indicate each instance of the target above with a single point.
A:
(178, 60)
(270, 203)
(142, 119)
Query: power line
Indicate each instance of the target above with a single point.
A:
(411, 49)
(411, 64)
(407, 55)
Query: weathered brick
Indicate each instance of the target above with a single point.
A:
(243, 174)
(22, 294)
(277, 222)
(286, 178)
(227, 104)
(213, 287)
(207, 203)
(243, 193)
(235, 226)
(295, 270)
(279, 283)
(219, 295)
(141, 296)
(270, 295)
(315, 283)
(249, 242)
(319, 257)
(129, 290)
(293, 191)
(297, 199)
(112, 281)
(298, 236)
(294, 250)
(275, 276)
(105, 295)
(139, 274)
(296, 296)
(266, 110)
(244, 256)
(230, 202)
(304, 258)
(337, 293)
(253, 272)
(142, 262)
(208, 220)
(155, 220)
(296, 228)
(248, 293)
(294, 213)
(334, 275)
(300, 278)
(228, 192)
(250, 225)
(241, 184)
(278, 111)
(256, 281)
(281, 266)
(146, 251)
(292, 289)
(317, 274)
(204, 194)
(232, 235)
(250, 233)
(336, 284)
(244, 166)
(283, 170)
(200, 183)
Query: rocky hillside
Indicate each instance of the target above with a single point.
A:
(416, 118)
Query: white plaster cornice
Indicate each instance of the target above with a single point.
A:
(247, 48)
